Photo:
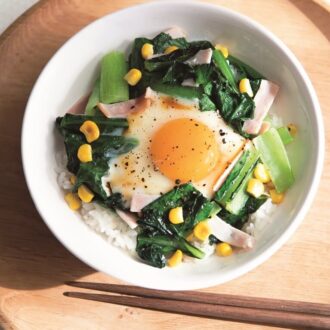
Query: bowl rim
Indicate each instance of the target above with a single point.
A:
(307, 200)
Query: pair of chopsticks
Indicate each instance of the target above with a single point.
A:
(274, 312)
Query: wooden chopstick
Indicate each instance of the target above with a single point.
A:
(198, 304)
(211, 298)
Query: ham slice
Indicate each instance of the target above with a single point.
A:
(79, 106)
(140, 200)
(263, 101)
(128, 217)
(176, 32)
(229, 234)
(203, 56)
(124, 109)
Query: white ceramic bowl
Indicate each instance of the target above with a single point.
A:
(70, 74)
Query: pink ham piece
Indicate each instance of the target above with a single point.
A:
(79, 106)
(176, 32)
(263, 101)
(128, 217)
(229, 234)
(203, 56)
(123, 109)
(140, 200)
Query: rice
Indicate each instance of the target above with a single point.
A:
(103, 221)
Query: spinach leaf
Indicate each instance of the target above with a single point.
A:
(107, 126)
(91, 174)
(164, 40)
(159, 236)
(251, 206)
(110, 144)
(110, 147)
(205, 104)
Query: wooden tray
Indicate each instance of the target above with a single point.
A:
(34, 265)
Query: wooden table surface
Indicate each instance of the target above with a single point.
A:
(34, 265)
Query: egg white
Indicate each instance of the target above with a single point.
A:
(135, 172)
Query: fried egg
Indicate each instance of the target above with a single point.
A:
(178, 143)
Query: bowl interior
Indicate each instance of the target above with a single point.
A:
(71, 73)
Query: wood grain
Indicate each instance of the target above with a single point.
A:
(34, 265)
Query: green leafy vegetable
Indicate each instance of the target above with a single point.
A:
(93, 100)
(110, 144)
(157, 230)
(285, 135)
(113, 87)
(244, 165)
(223, 66)
(178, 91)
(274, 156)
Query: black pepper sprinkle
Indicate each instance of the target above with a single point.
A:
(224, 141)
(204, 185)
(115, 165)
(142, 179)
(146, 187)
(177, 181)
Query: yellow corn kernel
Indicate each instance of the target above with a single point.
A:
(261, 173)
(255, 187)
(276, 197)
(245, 87)
(73, 201)
(202, 231)
(223, 49)
(292, 129)
(176, 259)
(147, 50)
(73, 179)
(176, 215)
(190, 237)
(85, 194)
(170, 49)
(133, 76)
(223, 250)
(84, 153)
(90, 130)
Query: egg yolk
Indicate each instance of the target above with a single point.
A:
(185, 150)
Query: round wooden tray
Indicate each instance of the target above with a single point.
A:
(34, 265)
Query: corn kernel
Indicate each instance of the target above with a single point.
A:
(133, 76)
(90, 130)
(176, 215)
(147, 50)
(73, 201)
(292, 129)
(255, 187)
(223, 250)
(276, 197)
(85, 194)
(73, 179)
(223, 49)
(202, 231)
(170, 49)
(261, 173)
(190, 237)
(84, 153)
(176, 259)
(245, 87)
